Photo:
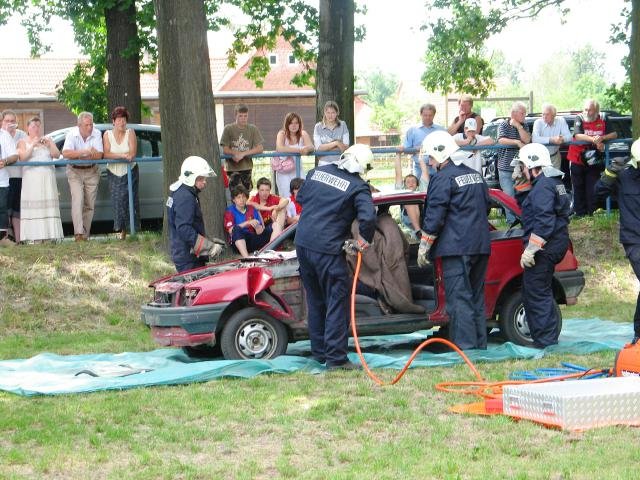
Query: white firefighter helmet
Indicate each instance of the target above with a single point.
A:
(535, 155)
(357, 158)
(192, 168)
(440, 145)
(635, 150)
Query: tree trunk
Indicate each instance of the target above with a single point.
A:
(123, 59)
(635, 66)
(334, 73)
(187, 110)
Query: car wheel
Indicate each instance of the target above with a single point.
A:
(513, 320)
(203, 351)
(251, 333)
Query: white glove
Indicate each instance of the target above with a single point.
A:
(353, 246)
(426, 242)
(205, 247)
(528, 256)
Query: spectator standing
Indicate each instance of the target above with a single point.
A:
(241, 140)
(121, 144)
(272, 208)
(189, 246)
(8, 156)
(294, 209)
(545, 218)
(511, 133)
(551, 131)
(10, 125)
(470, 138)
(465, 103)
(40, 205)
(330, 134)
(245, 227)
(587, 161)
(293, 139)
(622, 181)
(83, 142)
(416, 135)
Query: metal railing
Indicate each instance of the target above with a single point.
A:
(296, 155)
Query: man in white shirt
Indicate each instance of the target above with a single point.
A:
(83, 142)
(10, 125)
(470, 138)
(551, 131)
(8, 155)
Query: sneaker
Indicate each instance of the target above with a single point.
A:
(6, 242)
(345, 366)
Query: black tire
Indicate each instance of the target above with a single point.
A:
(251, 333)
(203, 351)
(513, 320)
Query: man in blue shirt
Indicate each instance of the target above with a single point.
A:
(551, 131)
(416, 135)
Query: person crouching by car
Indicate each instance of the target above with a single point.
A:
(190, 248)
(331, 197)
(621, 180)
(246, 229)
(546, 207)
(455, 229)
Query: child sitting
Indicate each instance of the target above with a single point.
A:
(243, 223)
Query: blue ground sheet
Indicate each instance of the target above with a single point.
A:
(50, 374)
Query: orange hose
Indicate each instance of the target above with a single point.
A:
(429, 341)
(480, 387)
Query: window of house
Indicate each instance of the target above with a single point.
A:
(292, 59)
(273, 59)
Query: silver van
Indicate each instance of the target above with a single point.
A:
(150, 186)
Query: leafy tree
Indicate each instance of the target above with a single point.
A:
(334, 78)
(186, 97)
(456, 62)
(379, 86)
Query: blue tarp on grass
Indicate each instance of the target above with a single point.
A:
(50, 374)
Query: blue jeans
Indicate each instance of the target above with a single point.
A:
(506, 185)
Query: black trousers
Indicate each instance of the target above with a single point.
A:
(583, 183)
(633, 254)
(537, 293)
(464, 289)
(325, 279)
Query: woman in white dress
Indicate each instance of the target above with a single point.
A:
(39, 204)
(292, 138)
(120, 143)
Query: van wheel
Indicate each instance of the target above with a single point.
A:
(513, 320)
(251, 333)
(203, 351)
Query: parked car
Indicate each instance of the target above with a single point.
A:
(253, 307)
(150, 186)
(619, 123)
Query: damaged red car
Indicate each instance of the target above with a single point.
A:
(254, 307)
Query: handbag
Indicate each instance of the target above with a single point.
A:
(283, 164)
(592, 158)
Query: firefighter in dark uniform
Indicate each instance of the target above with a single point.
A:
(545, 218)
(331, 197)
(456, 229)
(189, 246)
(622, 180)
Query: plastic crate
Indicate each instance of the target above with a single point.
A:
(576, 404)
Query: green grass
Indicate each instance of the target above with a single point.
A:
(85, 298)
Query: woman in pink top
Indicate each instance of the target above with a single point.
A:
(292, 138)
